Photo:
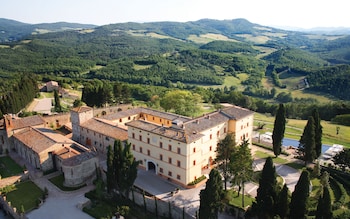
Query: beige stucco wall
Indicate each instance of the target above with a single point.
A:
(95, 140)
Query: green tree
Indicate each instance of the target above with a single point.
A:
(282, 202)
(181, 102)
(211, 197)
(278, 130)
(307, 142)
(342, 158)
(110, 169)
(318, 132)
(324, 205)
(300, 197)
(224, 152)
(241, 166)
(121, 167)
(267, 191)
(58, 107)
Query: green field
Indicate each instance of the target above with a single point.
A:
(8, 167)
(294, 129)
(25, 195)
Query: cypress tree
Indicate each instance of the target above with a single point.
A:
(307, 141)
(278, 130)
(282, 204)
(300, 197)
(267, 191)
(224, 152)
(58, 107)
(324, 206)
(318, 132)
(211, 197)
(110, 169)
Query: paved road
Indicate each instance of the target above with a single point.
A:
(59, 204)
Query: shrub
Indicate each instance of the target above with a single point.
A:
(194, 182)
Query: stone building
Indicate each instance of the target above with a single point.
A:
(176, 147)
(179, 148)
(46, 149)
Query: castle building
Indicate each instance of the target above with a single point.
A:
(179, 148)
(175, 147)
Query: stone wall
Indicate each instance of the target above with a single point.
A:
(6, 206)
(162, 208)
(56, 121)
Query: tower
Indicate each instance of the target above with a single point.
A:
(78, 116)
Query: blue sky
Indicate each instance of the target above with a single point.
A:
(296, 13)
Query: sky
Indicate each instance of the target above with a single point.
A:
(275, 13)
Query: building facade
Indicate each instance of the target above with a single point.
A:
(179, 148)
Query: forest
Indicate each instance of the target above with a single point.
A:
(141, 61)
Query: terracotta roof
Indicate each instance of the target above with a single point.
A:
(106, 128)
(204, 122)
(168, 132)
(82, 109)
(27, 122)
(236, 112)
(35, 139)
(165, 115)
(191, 129)
(78, 159)
(122, 114)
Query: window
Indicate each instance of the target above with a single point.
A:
(179, 150)
(210, 148)
(194, 163)
(160, 156)
(133, 147)
(140, 149)
(148, 152)
(140, 137)
(161, 170)
(169, 160)
(161, 144)
(194, 150)
(178, 177)
(133, 135)
(224, 130)
(241, 126)
(246, 135)
(120, 120)
(169, 147)
(170, 173)
(160, 120)
(247, 124)
(153, 117)
(211, 136)
(129, 118)
(179, 163)
(218, 133)
(148, 140)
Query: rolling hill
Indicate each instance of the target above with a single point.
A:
(204, 52)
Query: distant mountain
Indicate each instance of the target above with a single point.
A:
(11, 30)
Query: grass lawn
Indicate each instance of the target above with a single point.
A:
(25, 194)
(260, 154)
(295, 127)
(8, 167)
(58, 181)
(234, 200)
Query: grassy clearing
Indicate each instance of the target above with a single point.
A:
(295, 127)
(25, 194)
(141, 67)
(264, 155)
(9, 167)
(255, 39)
(235, 200)
(59, 180)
